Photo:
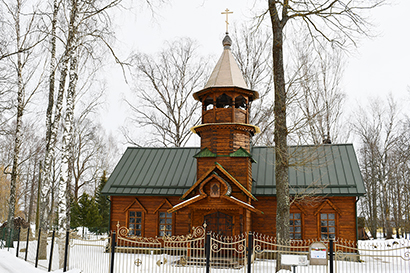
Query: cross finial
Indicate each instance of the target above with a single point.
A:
(226, 21)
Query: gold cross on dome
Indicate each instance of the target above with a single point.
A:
(226, 21)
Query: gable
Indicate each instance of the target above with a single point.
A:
(213, 172)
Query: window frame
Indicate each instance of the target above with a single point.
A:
(335, 220)
(301, 225)
(136, 210)
(327, 207)
(159, 223)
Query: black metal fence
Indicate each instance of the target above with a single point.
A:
(201, 252)
(39, 248)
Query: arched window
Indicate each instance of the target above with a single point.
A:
(208, 103)
(240, 102)
(224, 101)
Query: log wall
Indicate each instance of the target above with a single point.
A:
(193, 215)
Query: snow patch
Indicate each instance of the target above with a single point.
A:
(242, 202)
(190, 199)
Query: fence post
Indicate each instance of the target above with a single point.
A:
(3, 239)
(10, 239)
(208, 251)
(38, 246)
(18, 243)
(331, 255)
(28, 236)
(112, 251)
(250, 251)
(51, 251)
(66, 250)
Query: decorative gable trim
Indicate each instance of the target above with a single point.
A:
(135, 202)
(241, 152)
(165, 201)
(205, 153)
(327, 201)
(222, 170)
(197, 182)
(220, 179)
(302, 209)
(236, 182)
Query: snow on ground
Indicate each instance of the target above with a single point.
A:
(90, 256)
(9, 263)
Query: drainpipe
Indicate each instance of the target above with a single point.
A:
(355, 212)
(109, 217)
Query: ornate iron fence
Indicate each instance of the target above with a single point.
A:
(205, 253)
(89, 254)
(160, 254)
(372, 256)
(267, 250)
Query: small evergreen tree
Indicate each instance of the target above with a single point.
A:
(103, 203)
(85, 213)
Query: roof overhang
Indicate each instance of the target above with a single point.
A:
(254, 128)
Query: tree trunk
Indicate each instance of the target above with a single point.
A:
(51, 126)
(67, 160)
(32, 195)
(19, 120)
(280, 134)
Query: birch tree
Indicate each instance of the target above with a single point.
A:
(21, 28)
(87, 29)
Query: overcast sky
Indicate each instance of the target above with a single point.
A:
(379, 65)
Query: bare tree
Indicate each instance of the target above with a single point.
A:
(314, 94)
(164, 87)
(88, 30)
(335, 21)
(377, 129)
(21, 29)
(91, 150)
(251, 49)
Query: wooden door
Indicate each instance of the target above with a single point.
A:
(219, 223)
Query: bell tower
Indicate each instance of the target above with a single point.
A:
(222, 195)
(225, 130)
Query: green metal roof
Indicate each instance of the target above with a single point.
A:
(323, 170)
(153, 171)
(326, 169)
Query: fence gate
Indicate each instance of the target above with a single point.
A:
(159, 254)
(84, 250)
(228, 253)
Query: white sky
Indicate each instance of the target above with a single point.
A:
(379, 65)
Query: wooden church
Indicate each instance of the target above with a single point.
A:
(227, 183)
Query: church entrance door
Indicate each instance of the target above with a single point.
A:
(220, 223)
